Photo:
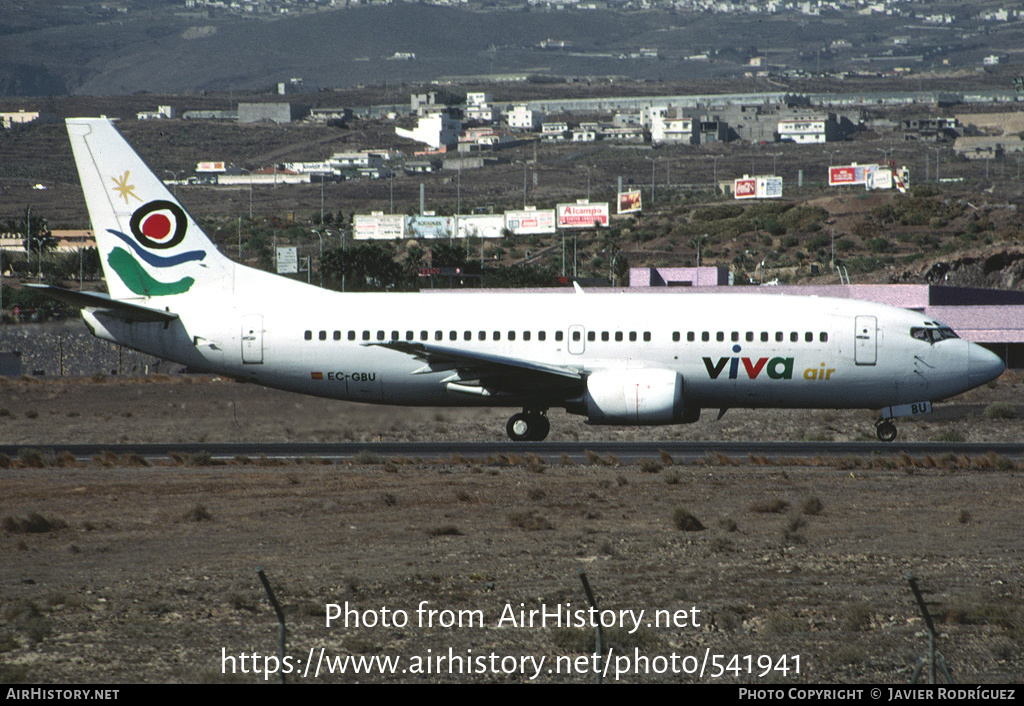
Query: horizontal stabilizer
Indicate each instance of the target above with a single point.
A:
(93, 300)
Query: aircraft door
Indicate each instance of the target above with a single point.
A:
(865, 350)
(577, 339)
(252, 339)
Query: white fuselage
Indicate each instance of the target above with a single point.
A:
(732, 350)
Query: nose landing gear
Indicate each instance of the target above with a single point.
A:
(528, 425)
(885, 430)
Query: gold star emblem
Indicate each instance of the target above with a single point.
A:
(124, 188)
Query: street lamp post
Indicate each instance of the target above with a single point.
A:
(524, 181)
(654, 161)
(243, 169)
(176, 179)
(320, 261)
(714, 185)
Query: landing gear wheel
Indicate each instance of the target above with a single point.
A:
(528, 426)
(885, 430)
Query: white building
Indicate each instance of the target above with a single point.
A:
(435, 130)
(671, 127)
(803, 131)
(522, 117)
(164, 112)
(479, 107)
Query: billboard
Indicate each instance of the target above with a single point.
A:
(582, 215)
(762, 187)
(489, 226)
(769, 187)
(378, 227)
(630, 202)
(851, 174)
(530, 222)
(431, 226)
(745, 188)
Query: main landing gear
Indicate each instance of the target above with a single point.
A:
(529, 425)
(885, 430)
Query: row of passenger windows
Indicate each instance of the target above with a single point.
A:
(576, 335)
(479, 336)
(751, 336)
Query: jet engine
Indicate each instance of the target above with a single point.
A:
(634, 397)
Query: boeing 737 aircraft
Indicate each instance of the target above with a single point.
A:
(614, 358)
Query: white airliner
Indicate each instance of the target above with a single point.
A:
(615, 358)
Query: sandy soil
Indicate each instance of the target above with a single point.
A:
(117, 571)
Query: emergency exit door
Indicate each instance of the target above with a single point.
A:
(865, 350)
(252, 338)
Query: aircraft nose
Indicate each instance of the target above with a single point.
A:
(982, 365)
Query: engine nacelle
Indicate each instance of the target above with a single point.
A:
(635, 397)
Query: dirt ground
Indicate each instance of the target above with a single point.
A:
(122, 571)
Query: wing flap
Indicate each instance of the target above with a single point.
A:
(496, 373)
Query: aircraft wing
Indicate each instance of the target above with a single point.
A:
(94, 300)
(498, 374)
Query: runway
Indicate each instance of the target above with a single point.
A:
(551, 452)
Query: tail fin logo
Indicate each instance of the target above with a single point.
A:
(157, 225)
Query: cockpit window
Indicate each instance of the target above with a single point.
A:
(932, 335)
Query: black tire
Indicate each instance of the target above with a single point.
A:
(520, 427)
(528, 426)
(886, 431)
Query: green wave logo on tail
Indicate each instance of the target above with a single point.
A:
(139, 281)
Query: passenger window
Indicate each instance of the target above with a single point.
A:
(424, 335)
(453, 335)
(438, 336)
(496, 336)
(380, 335)
(705, 336)
(467, 335)
(809, 337)
(591, 336)
(735, 336)
(409, 335)
(394, 335)
(526, 335)
(647, 335)
(337, 335)
(511, 335)
(675, 336)
(794, 336)
(618, 335)
(558, 335)
(690, 336)
(308, 335)
(750, 336)
(366, 335)
(576, 336)
(764, 337)
(323, 335)
(604, 336)
(542, 335)
(778, 337)
(351, 335)
(823, 337)
(632, 335)
(720, 336)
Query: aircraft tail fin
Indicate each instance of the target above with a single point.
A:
(149, 245)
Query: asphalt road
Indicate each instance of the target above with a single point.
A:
(549, 451)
